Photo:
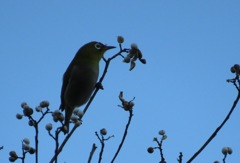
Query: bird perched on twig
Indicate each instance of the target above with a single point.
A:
(80, 78)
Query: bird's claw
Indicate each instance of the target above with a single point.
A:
(99, 86)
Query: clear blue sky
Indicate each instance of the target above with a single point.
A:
(189, 46)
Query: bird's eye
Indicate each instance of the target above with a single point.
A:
(98, 46)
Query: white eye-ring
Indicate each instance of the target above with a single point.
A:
(98, 46)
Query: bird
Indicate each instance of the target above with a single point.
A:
(80, 78)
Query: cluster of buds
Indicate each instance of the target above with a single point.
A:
(134, 54)
(126, 105)
(57, 116)
(26, 148)
(164, 137)
(162, 133)
(236, 69)
(28, 111)
(226, 150)
(77, 116)
(13, 156)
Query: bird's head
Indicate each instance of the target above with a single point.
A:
(94, 50)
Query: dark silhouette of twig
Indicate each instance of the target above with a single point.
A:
(107, 62)
(224, 158)
(94, 147)
(124, 135)
(160, 149)
(102, 140)
(102, 146)
(180, 157)
(224, 121)
(35, 124)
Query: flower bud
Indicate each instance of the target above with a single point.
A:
(164, 137)
(150, 150)
(26, 141)
(12, 159)
(27, 111)
(31, 123)
(161, 132)
(44, 104)
(126, 59)
(74, 118)
(78, 123)
(232, 70)
(103, 131)
(120, 39)
(75, 111)
(26, 147)
(229, 150)
(61, 117)
(224, 150)
(38, 109)
(23, 104)
(19, 116)
(32, 150)
(48, 127)
(13, 154)
(80, 113)
(134, 46)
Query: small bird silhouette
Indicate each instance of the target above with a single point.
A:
(80, 78)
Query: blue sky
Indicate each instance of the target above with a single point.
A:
(189, 46)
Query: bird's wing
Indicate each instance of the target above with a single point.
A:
(66, 78)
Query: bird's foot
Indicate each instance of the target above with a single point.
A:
(99, 86)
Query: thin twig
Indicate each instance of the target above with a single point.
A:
(124, 135)
(180, 157)
(224, 158)
(94, 147)
(217, 130)
(160, 149)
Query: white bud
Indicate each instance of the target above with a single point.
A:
(26, 147)
(19, 116)
(23, 104)
(74, 118)
(75, 111)
(164, 137)
(26, 141)
(134, 46)
(32, 150)
(12, 159)
(38, 108)
(161, 132)
(44, 104)
(61, 117)
(48, 127)
(120, 39)
(13, 154)
(78, 123)
(229, 150)
(56, 112)
(80, 113)
(126, 59)
(224, 150)
(103, 131)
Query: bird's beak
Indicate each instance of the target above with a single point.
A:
(109, 47)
